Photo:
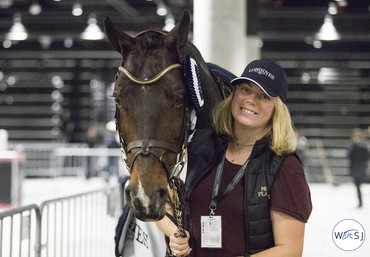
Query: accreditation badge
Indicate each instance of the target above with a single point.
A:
(211, 232)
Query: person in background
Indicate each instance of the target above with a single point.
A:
(358, 155)
(245, 184)
(92, 141)
(111, 140)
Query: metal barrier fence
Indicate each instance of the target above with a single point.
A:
(18, 231)
(40, 158)
(77, 161)
(62, 159)
(79, 225)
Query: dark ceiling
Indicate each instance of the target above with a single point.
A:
(56, 19)
(277, 21)
(294, 19)
(288, 28)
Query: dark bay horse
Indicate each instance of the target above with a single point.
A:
(153, 109)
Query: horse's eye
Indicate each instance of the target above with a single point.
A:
(179, 101)
(117, 75)
(118, 101)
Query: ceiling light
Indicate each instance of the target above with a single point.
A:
(259, 43)
(35, 7)
(17, 32)
(45, 41)
(342, 3)
(6, 3)
(162, 10)
(317, 44)
(77, 9)
(68, 42)
(332, 8)
(7, 43)
(327, 31)
(306, 77)
(169, 23)
(326, 74)
(92, 31)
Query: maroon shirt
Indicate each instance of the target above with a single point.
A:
(290, 194)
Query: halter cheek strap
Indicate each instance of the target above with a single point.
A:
(145, 147)
(148, 146)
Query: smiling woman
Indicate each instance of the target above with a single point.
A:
(251, 109)
(265, 213)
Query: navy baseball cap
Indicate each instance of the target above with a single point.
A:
(268, 75)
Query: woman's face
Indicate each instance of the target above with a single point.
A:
(251, 107)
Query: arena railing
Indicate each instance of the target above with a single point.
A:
(79, 225)
(19, 231)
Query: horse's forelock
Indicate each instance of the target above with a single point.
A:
(150, 54)
(152, 39)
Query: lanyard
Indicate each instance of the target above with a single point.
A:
(216, 195)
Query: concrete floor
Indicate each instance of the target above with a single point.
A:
(37, 190)
(331, 204)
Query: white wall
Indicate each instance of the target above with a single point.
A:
(220, 34)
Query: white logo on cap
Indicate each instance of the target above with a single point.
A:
(262, 72)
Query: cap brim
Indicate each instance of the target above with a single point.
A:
(239, 80)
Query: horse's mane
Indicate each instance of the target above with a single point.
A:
(202, 65)
(212, 90)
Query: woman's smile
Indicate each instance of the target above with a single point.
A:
(248, 111)
(251, 107)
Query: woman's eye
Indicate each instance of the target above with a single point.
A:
(245, 89)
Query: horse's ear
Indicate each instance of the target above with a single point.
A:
(120, 41)
(178, 36)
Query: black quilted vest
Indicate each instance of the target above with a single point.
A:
(207, 150)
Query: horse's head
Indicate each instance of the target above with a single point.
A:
(151, 111)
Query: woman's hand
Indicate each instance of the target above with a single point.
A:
(179, 245)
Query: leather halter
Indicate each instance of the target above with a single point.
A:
(147, 146)
(152, 80)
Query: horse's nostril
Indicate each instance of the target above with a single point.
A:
(162, 193)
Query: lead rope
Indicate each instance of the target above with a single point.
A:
(176, 203)
(177, 213)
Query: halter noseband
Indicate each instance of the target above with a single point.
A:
(148, 146)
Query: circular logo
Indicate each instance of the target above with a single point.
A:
(348, 234)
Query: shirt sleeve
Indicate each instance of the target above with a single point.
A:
(290, 192)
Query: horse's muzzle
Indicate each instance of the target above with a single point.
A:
(146, 208)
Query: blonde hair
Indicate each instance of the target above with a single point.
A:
(280, 127)
(283, 137)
